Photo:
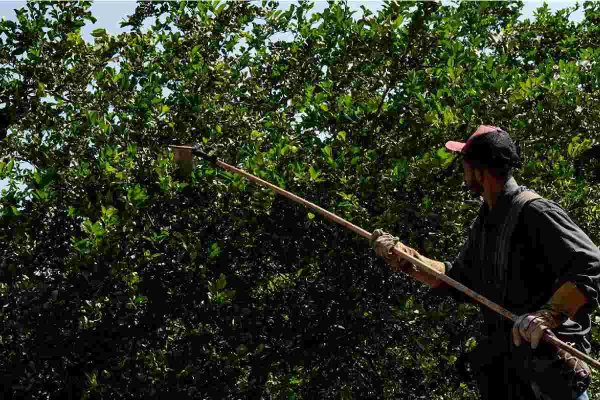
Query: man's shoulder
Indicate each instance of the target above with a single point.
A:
(542, 204)
(540, 207)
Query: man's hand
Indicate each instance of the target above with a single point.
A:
(531, 327)
(384, 242)
(564, 304)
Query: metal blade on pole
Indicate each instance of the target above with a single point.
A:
(420, 264)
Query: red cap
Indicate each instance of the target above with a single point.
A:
(462, 147)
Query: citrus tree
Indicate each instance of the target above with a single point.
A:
(123, 277)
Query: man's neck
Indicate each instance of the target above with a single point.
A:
(491, 190)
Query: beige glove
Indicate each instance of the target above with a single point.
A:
(531, 327)
(564, 304)
(384, 242)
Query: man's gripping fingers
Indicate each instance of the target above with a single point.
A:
(529, 327)
(384, 244)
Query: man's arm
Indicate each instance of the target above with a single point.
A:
(574, 262)
(384, 242)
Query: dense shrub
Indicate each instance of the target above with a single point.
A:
(121, 278)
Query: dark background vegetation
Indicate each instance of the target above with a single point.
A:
(120, 278)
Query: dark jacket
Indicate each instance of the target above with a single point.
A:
(547, 249)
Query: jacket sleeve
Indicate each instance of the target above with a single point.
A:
(569, 254)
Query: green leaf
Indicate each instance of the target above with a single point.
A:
(100, 32)
(40, 92)
(137, 196)
(40, 195)
(221, 282)
(94, 228)
(215, 250)
(92, 117)
(37, 177)
(256, 135)
(82, 246)
(397, 22)
(311, 216)
(109, 216)
(443, 154)
(74, 37)
(578, 146)
(314, 174)
(87, 226)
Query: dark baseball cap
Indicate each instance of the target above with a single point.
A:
(488, 146)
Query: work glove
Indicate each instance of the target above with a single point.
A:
(531, 327)
(563, 305)
(384, 242)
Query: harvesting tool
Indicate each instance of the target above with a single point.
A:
(184, 154)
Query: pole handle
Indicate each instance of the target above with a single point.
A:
(420, 264)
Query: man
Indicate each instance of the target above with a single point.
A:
(524, 253)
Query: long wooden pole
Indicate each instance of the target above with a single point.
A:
(420, 264)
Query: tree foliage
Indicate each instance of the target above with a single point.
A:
(122, 278)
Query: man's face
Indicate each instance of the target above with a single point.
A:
(472, 179)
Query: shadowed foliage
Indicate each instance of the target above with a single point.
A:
(122, 278)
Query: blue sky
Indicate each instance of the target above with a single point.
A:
(110, 13)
